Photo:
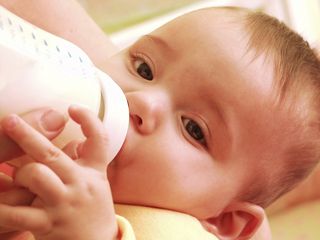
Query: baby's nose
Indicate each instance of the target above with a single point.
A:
(147, 110)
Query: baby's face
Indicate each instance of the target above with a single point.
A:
(201, 118)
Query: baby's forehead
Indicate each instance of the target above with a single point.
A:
(206, 18)
(206, 30)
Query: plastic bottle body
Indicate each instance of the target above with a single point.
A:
(38, 69)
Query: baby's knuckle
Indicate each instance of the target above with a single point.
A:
(87, 188)
(16, 219)
(87, 192)
(50, 155)
(44, 227)
(35, 172)
(90, 189)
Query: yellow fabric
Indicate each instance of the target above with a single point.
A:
(159, 224)
(142, 223)
(299, 223)
(123, 224)
(125, 228)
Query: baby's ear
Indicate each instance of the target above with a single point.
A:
(238, 221)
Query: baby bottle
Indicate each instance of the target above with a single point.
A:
(38, 69)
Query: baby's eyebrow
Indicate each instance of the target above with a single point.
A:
(158, 41)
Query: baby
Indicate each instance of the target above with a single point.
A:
(223, 120)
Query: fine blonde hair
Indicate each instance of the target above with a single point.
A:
(297, 85)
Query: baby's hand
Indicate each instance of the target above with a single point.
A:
(12, 195)
(73, 198)
(47, 121)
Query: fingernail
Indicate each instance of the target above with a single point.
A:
(53, 121)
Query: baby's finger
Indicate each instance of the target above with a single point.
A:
(5, 182)
(16, 196)
(42, 181)
(24, 218)
(10, 234)
(95, 148)
(73, 149)
(45, 120)
(38, 147)
(20, 161)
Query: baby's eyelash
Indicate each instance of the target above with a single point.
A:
(142, 65)
(134, 55)
(194, 130)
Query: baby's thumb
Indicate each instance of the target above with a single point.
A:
(51, 122)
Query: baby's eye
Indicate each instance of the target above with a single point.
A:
(143, 69)
(194, 130)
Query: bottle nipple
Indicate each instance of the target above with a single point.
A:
(115, 112)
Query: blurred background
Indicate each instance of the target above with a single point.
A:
(125, 20)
